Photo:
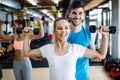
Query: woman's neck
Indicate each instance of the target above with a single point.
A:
(19, 36)
(61, 48)
(61, 44)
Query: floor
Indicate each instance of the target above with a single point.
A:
(97, 73)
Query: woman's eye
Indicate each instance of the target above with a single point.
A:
(59, 28)
(66, 27)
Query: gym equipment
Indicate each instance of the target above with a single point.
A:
(31, 18)
(36, 31)
(43, 18)
(115, 73)
(112, 66)
(50, 37)
(10, 48)
(19, 30)
(6, 22)
(2, 51)
(115, 70)
(1, 73)
(93, 28)
(5, 50)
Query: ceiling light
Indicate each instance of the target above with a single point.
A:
(44, 11)
(35, 15)
(32, 2)
(56, 2)
(48, 14)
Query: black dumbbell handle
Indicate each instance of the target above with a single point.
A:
(112, 29)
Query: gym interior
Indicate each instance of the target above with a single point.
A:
(97, 12)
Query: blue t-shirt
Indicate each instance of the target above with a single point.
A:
(83, 38)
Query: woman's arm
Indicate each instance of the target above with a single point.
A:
(103, 48)
(3, 40)
(3, 36)
(36, 58)
(26, 48)
(41, 30)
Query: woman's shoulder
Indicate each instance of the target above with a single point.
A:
(49, 45)
(77, 46)
(12, 37)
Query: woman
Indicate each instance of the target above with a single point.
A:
(61, 55)
(21, 65)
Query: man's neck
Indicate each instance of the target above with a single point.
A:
(76, 28)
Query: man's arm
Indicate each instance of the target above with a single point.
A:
(103, 48)
(92, 44)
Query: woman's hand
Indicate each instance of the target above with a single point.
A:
(27, 31)
(38, 20)
(1, 22)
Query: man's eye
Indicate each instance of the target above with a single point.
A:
(74, 13)
(80, 13)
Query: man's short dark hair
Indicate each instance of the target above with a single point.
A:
(77, 4)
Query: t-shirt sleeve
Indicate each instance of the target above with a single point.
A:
(45, 50)
(80, 50)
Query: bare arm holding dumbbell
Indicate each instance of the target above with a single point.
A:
(41, 30)
(93, 28)
(2, 35)
(101, 54)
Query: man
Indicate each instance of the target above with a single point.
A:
(80, 35)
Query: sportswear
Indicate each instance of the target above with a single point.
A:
(62, 67)
(18, 45)
(83, 38)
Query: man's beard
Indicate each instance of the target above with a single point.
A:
(76, 24)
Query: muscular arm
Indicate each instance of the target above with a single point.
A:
(3, 40)
(92, 44)
(41, 30)
(34, 54)
(3, 36)
(36, 57)
(101, 53)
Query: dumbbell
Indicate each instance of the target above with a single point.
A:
(36, 31)
(6, 22)
(19, 30)
(93, 28)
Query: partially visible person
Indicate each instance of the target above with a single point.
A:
(62, 55)
(21, 65)
(1, 73)
(80, 35)
(1, 41)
